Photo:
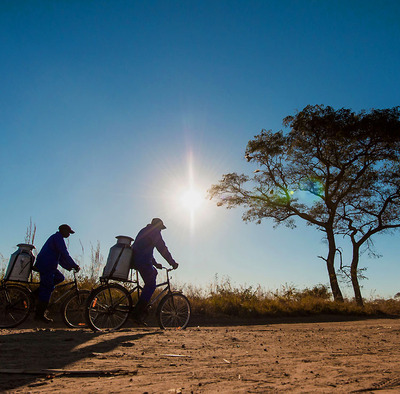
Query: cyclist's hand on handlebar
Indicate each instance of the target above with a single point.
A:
(158, 265)
(76, 269)
(174, 265)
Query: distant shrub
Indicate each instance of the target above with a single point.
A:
(223, 298)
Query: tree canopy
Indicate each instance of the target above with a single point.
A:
(336, 169)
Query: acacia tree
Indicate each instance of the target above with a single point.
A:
(374, 206)
(380, 217)
(332, 156)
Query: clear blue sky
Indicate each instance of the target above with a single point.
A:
(110, 109)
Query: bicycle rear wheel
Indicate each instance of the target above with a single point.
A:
(73, 309)
(174, 311)
(15, 305)
(108, 307)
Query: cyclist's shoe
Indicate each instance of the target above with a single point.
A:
(139, 315)
(40, 314)
(140, 312)
(43, 319)
(139, 320)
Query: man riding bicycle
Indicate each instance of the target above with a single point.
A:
(53, 253)
(147, 239)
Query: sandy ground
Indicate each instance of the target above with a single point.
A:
(301, 356)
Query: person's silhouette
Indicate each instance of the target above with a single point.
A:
(147, 239)
(53, 252)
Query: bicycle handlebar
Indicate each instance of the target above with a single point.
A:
(168, 269)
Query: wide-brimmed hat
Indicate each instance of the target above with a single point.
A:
(158, 223)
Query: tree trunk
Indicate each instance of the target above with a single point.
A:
(330, 263)
(354, 276)
(337, 294)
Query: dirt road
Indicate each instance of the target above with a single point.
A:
(281, 356)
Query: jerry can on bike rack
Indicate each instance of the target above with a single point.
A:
(20, 264)
(119, 259)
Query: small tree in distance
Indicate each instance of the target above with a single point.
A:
(332, 169)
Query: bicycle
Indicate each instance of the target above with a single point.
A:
(17, 301)
(108, 306)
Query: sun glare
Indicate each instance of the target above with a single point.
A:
(187, 199)
(191, 199)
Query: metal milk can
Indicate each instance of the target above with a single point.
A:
(20, 264)
(119, 259)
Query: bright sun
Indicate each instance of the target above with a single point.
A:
(191, 199)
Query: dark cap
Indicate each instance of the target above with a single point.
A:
(158, 223)
(65, 227)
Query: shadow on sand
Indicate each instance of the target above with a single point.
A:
(51, 348)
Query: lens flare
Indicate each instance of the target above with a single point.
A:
(313, 186)
(191, 199)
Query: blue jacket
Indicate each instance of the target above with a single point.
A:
(147, 239)
(54, 252)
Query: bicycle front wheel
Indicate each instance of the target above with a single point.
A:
(108, 307)
(174, 311)
(15, 305)
(73, 309)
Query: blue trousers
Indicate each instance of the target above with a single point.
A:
(149, 275)
(48, 281)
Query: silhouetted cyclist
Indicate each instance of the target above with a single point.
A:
(53, 252)
(147, 239)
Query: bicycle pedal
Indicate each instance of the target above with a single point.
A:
(140, 322)
(43, 319)
(138, 319)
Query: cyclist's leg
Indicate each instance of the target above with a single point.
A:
(58, 277)
(48, 281)
(46, 287)
(149, 276)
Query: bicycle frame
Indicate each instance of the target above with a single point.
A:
(166, 289)
(20, 300)
(109, 306)
(138, 288)
(73, 286)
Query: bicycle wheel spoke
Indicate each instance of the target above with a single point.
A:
(15, 305)
(174, 312)
(12, 317)
(101, 319)
(108, 308)
(115, 320)
(172, 319)
(73, 309)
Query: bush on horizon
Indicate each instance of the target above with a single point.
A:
(221, 298)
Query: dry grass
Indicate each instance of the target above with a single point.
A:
(225, 299)
(221, 298)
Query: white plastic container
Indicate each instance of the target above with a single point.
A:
(119, 259)
(20, 264)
